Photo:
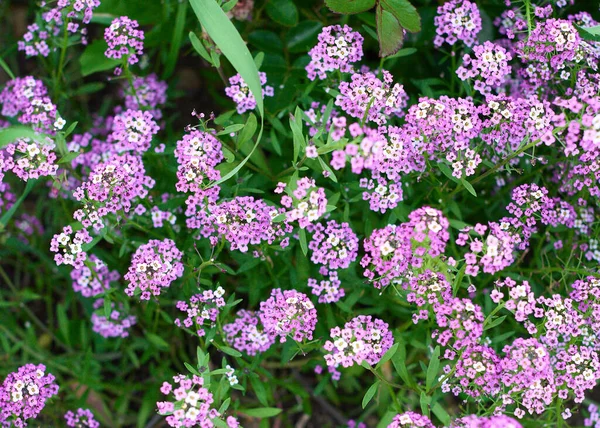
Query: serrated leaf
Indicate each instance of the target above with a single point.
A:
(348, 7)
(405, 13)
(370, 393)
(389, 32)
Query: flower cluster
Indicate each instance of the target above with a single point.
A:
(116, 324)
(489, 68)
(81, 419)
(241, 94)
(146, 93)
(430, 231)
(27, 99)
(125, 40)
(477, 373)
(30, 159)
(495, 421)
(24, 393)
(457, 20)
(490, 254)
(363, 338)
(459, 324)
(306, 204)
(69, 247)
(337, 49)
(132, 131)
(197, 154)
(327, 289)
(368, 97)
(288, 313)
(411, 420)
(93, 278)
(154, 266)
(246, 334)
(201, 310)
(335, 245)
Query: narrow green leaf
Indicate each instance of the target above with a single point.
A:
(176, 39)
(199, 47)
(259, 389)
(389, 32)
(229, 351)
(8, 214)
(469, 187)
(441, 414)
(403, 52)
(157, 341)
(13, 133)
(495, 323)
(248, 131)
(370, 393)
(348, 7)
(93, 60)
(388, 355)
(432, 370)
(6, 69)
(68, 157)
(303, 244)
(226, 37)
(263, 412)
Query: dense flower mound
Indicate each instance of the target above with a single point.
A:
(288, 313)
(241, 94)
(428, 289)
(459, 322)
(191, 405)
(125, 40)
(24, 393)
(491, 251)
(111, 187)
(116, 324)
(363, 338)
(488, 68)
(306, 203)
(520, 299)
(457, 21)
(201, 310)
(496, 421)
(197, 154)
(154, 266)
(477, 373)
(411, 420)
(527, 375)
(68, 246)
(30, 159)
(328, 289)
(242, 222)
(26, 98)
(430, 231)
(368, 97)
(93, 278)
(338, 48)
(146, 93)
(81, 419)
(246, 333)
(335, 245)
(388, 254)
(132, 131)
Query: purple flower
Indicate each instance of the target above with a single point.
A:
(240, 93)
(288, 313)
(337, 49)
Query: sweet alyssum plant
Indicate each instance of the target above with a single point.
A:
(330, 241)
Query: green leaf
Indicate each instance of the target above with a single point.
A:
(191, 369)
(68, 157)
(266, 41)
(8, 214)
(283, 12)
(432, 370)
(176, 39)
(441, 414)
(199, 47)
(298, 136)
(469, 187)
(405, 13)
(157, 341)
(348, 7)
(263, 412)
(303, 244)
(495, 323)
(259, 390)
(389, 32)
(403, 52)
(303, 36)
(370, 393)
(424, 401)
(13, 133)
(248, 131)
(93, 60)
(229, 351)
(6, 69)
(399, 362)
(226, 37)
(388, 355)
(589, 33)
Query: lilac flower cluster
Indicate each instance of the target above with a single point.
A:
(490, 254)
(154, 266)
(132, 131)
(27, 99)
(367, 97)
(116, 324)
(81, 419)
(240, 93)
(246, 333)
(306, 204)
(476, 374)
(430, 232)
(93, 278)
(489, 68)
(337, 49)
(30, 159)
(125, 41)
(201, 310)
(68, 247)
(146, 93)
(328, 290)
(459, 324)
(495, 421)
(411, 420)
(363, 338)
(457, 20)
(24, 393)
(335, 245)
(288, 313)
(428, 289)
